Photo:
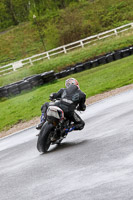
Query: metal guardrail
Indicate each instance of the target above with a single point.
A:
(63, 49)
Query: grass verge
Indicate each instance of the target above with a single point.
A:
(94, 81)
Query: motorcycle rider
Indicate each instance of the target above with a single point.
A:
(71, 98)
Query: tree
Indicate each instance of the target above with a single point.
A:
(10, 9)
(12, 12)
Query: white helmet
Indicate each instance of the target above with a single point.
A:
(71, 81)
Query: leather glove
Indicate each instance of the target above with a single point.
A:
(51, 97)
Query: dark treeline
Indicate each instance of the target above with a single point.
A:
(13, 12)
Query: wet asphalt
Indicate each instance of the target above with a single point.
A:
(93, 164)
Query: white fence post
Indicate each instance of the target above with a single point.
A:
(64, 49)
(13, 67)
(81, 42)
(98, 37)
(48, 56)
(115, 32)
(30, 61)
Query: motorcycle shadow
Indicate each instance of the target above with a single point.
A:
(65, 145)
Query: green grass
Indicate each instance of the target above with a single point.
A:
(19, 42)
(71, 58)
(94, 81)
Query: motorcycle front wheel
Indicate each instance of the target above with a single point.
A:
(44, 138)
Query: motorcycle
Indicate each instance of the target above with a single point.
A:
(54, 130)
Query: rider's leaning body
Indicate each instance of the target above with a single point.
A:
(70, 98)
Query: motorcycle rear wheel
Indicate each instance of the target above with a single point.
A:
(44, 142)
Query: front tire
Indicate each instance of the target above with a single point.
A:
(44, 141)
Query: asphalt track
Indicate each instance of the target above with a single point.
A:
(93, 164)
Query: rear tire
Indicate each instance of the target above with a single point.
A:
(44, 141)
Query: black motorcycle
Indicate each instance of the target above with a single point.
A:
(54, 130)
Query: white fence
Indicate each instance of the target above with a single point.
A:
(63, 49)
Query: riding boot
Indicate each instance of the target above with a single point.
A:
(43, 120)
(67, 130)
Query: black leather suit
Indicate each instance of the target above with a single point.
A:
(70, 99)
